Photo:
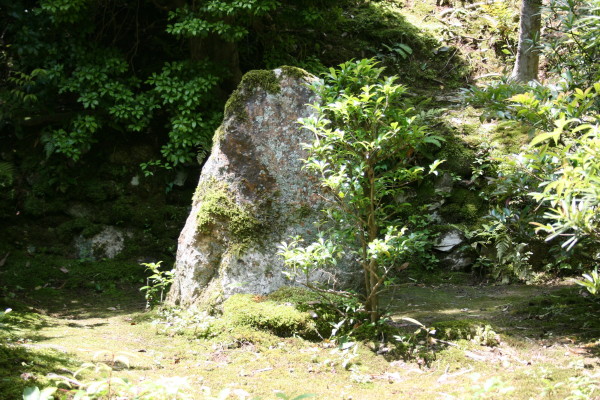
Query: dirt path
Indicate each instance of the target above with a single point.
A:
(547, 349)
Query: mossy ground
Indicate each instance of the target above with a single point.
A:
(548, 335)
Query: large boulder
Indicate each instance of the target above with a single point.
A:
(252, 194)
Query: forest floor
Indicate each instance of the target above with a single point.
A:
(547, 349)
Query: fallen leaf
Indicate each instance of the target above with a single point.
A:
(64, 270)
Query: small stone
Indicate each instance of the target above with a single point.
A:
(449, 240)
(109, 243)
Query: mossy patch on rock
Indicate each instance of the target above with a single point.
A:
(295, 72)
(511, 137)
(459, 158)
(265, 79)
(218, 205)
(464, 206)
(242, 335)
(257, 312)
(294, 295)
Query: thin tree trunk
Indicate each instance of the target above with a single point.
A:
(528, 55)
(373, 303)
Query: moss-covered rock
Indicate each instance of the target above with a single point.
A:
(459, 158)
(257, 79)
(511, 137)
(218, 206)
(295, 295)
(463, 206)
(257, 312)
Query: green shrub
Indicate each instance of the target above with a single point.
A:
(366, 149)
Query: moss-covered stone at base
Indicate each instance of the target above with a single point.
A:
(243, 335)
(265, 79)
(259, 313)
(511, 137)
(217, 204)
(294, 295)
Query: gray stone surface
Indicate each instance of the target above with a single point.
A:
(252, 194)
(449, 240)
(109, 243)
(454, 254)
(457, 260)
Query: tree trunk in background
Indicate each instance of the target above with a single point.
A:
(528, 56)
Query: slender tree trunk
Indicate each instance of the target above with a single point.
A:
(373, 229)
(528, 56)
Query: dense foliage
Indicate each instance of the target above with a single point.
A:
(87, 72)
(84, 73)
(552, 186)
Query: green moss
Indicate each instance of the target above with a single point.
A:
(264, 79)
(459, 158)
(218, 134)
(295, 72)
(16, 361)
(242, 335)
(68, 230)
(280, 319)
(98, 191)
(457, 328)
(464, 206)
(294, 295)
(37, 207)
(511, 137)
(564, 312)
(218, 205)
